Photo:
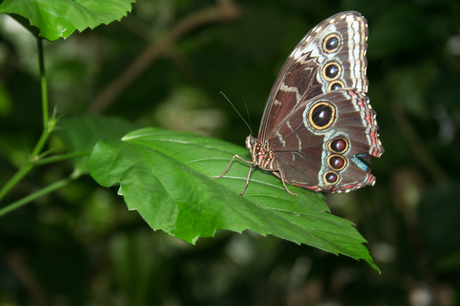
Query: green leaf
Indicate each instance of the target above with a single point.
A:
(59, 19)
(81, 133)
(167, 177)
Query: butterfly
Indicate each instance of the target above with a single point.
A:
(318, 130)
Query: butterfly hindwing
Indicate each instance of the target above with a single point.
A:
(306, 147)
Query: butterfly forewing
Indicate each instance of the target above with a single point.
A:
(307, 71)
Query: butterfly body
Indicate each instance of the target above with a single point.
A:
(318, 130)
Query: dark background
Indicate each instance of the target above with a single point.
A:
(81, 246)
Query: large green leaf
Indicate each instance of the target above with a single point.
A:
(167, 177)
(81, 133)
(59, 19)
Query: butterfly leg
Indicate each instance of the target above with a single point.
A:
(284, 184)
(247, 180)
(231, 162)
(228, 168)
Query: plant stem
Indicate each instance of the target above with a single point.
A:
(61, 157)
(41, 65)
(39, 146)
(48, 189)
(17, 177)
(47, 128)
(25, 168)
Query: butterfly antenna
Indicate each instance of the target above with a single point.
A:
(250, 129)
(249, 117)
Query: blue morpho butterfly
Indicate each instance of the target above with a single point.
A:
(318, 130)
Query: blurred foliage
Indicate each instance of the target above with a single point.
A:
(80, 245)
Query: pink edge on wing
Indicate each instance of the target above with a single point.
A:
(348, 186)
(369, 119)
(314, 188)
(352, 93)
(370, 177)
(374, 141)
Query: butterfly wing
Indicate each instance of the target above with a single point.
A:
(326, 143)
(330, 56)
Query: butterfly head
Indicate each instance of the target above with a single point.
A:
(250, 142)
(254, 147)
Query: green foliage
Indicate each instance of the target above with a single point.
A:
(60, 19)
(75, 243)
(80, 134)
(167, 177)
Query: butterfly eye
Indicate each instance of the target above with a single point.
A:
(330, 178)
(336, 162)
(331, 43)
(331, 71)
(335, 85)
(250, 141)
(338, 145)
(321, 115)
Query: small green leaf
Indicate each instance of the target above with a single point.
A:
(59, 19)
(168, 178)
(80, 133)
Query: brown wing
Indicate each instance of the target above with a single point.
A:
(330, 134)
(331, 55)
